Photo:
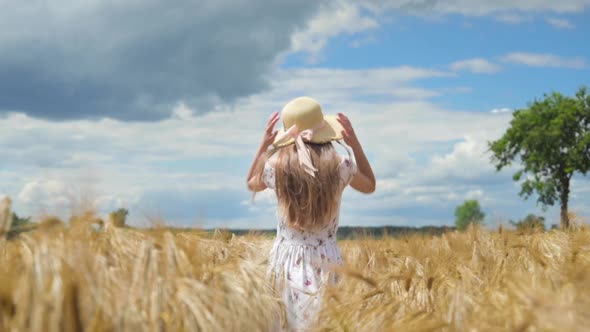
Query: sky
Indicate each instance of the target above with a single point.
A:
(158, 106)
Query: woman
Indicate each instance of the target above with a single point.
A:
(308, 177)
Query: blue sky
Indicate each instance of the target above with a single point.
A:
(101, 108)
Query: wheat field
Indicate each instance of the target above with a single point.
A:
(75, 277)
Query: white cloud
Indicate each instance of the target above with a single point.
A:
(560, 23)
(335, 18)
(333, 84)
(476, 65)
(36, 191)
(48, 196)
(501, 110)
(512, 18)
(61, 194)
(474, 194)
(468, 160)
(182, 112)
(544, 60)
(479, 7)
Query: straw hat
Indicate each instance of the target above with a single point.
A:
(303, 117)
(303, 121)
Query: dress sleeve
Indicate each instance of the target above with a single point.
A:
(348, 169)
(268, 175)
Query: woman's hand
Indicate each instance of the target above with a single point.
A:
(348, 132)
(364, 179)
(269, 133)
(255, 182)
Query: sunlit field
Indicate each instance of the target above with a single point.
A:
(80, 277)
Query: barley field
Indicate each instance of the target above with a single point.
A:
(82, 278)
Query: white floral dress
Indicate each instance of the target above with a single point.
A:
(301, 262)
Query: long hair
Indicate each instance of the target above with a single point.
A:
(308, 202)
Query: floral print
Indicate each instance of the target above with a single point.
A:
(301, 262)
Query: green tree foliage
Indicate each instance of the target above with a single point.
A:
(551, 140)
(530, 222)
(19, 221)
(468, 213)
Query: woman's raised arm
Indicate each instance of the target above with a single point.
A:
(364, 180)
(255, 182)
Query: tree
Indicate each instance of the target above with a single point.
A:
(468, 213)
(530, 222)
(551, 140)
(19, 221)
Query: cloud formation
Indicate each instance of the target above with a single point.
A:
(189, 169)
(209, 74)
(475, 65)
(335, 18)
(479, 7)
(134, 60)
(560, 23)
(544, 60)
(191, 165)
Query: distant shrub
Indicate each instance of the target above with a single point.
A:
(119, 218)
(20, 221)
(530, 222)
(50, 222)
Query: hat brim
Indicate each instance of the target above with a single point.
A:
(332, 131)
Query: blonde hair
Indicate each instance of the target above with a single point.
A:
(308, 202)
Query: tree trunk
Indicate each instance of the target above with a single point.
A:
(565, 220)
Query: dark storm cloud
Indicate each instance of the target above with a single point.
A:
(134, 60)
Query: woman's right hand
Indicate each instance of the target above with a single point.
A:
(364, 179)
(348, 133)
(269, 133)
(255, 182)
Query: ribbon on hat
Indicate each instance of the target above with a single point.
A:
(302, 150)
